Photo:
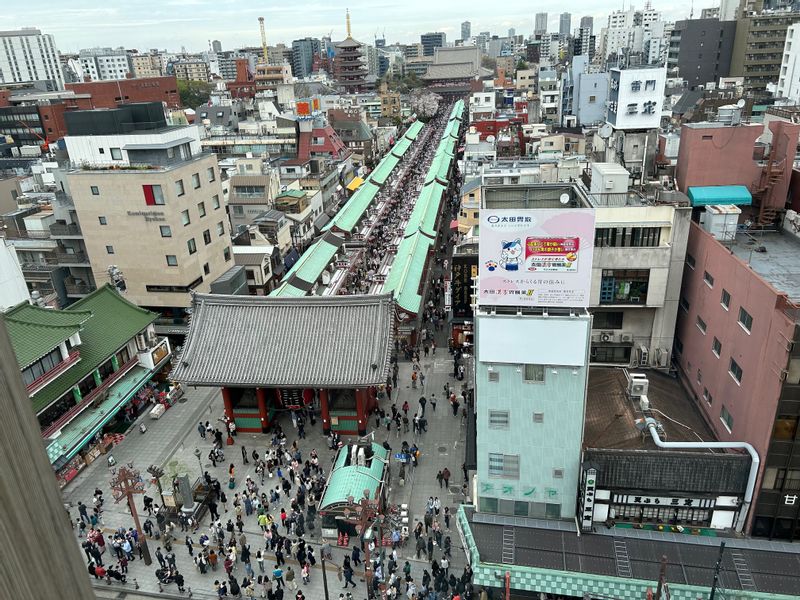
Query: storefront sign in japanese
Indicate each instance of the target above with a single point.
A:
(536, 257)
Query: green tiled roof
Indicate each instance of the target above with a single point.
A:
(426, 209)
(353, 210)
(406, 272)
(35, 331)
(314, 261)
(113, 322)
(291, 194)
(384, 169)
(413, 130)
(400, 147)
(287, 290)
(352, 480)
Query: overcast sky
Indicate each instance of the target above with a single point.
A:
(171, 24)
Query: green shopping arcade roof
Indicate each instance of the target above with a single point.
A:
(349, 480)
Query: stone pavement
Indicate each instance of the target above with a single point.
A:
(171, 441)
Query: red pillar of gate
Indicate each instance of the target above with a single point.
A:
(326, 411)
(361, 411)
(263, 413)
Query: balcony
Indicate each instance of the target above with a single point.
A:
(38, 270)
(78, 258)
(73, 357)
(63, 230)
(74, 288)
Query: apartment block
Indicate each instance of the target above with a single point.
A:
(27, 55)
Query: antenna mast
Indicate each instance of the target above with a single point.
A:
(263, 39)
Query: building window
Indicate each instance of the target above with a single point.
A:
(109, 249)
(785, 428)
(745, 320)
(196, 180)
(206, 269)
(153, 196)
(726, 418)
(690, 260)
(191, 245)
(498, 419)
(220, 228)
(207, 237)
(708, 278)
(179, 190)
(725, 299)
(215, 201)
(166, 231)
(684, 304)
(185, 218)
(504, 465)
(172, 260)
(226, 254)
(201, 208)
(735, 371)
(238, 210)
(212, 175)
(701, 325)
(716, 347)
(116, 154)
(487, 505)
(102, 220)
(534, 373)
(627, 237)
(707, 396)
(607, 319)
(95, 190)
(624, 286)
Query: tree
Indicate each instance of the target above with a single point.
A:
(522, 65)
(488, 62)
(194, 93)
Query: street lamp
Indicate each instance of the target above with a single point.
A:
(197, 453)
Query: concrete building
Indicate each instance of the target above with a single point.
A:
(466, 30)
(585, 94)
(564, 24)
(540, 24)
(700, 50)
(190, 70)
(108, 94)
(550, 96)
(728, 9)
(740, 303)
(303, 53)
(165, 189)
(758, 48)
(27, 55)
(588, 24)
(102, 64)
(13, 288)
(432, 40)
(147, 65)
(789, 80)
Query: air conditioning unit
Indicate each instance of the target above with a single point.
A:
(607, 337)
(638, 386)
(625, 337)
(644, 356)
(662, 357)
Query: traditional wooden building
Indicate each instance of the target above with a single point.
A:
(273, 353)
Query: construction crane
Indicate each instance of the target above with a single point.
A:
(263, 40)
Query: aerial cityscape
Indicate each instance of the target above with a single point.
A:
(354, 301)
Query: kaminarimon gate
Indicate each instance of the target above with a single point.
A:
(269, 354)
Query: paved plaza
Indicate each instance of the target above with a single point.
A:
(172, 440)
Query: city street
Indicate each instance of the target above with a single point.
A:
(172, 440)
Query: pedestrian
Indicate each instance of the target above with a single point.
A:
(446, 477)
(447, 517)
(201, 429)
(190, 545)
(422, 379)
(356, 554)
(414, 379)
(348, 576)
(440, 479)
(83, 512)
(244, 455)
(277, 576)
(160, 558)
(433, 402)
(180, 581)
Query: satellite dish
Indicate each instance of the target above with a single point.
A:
(605, 131)
(564, 198)
(741, 103)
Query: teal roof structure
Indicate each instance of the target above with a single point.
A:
(413, 130)
(351, 213)
(384, 169)
(400, 147)
(720, 194)
(426, 210)
(351, 480)
(406, 272)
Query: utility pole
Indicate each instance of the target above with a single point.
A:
(662, 579)
(125, 483)
(716, 572)
(367, 516)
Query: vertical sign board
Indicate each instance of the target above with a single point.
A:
(536, 257)
(587, 501)
(465, 267)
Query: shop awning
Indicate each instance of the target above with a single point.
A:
(454, 224)
(720, 194)
(355, 183)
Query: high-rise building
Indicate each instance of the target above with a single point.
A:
(689, 51)
(28, 55)
(155, 221)
(466, 30)
(216, 46)
(789, 82)
(102, 64)
(587, 23)
(758, 48)
(540, 24)
(430, 41)
(303, 53)
(564, 24)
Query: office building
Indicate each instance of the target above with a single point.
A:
(789, 81)
(728, 9)
(700, 50)
(564, 24)
(102, 64)
(466, 30)
(191, 70)
(758, 48)
(587, 23)
(147, 65)
(27, 56)
(303, 53)
(216, 46)
(431, 41)
(166, 232)
(540, 24)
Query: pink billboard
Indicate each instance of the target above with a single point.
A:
(536, 257)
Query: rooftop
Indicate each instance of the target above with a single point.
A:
(348, 480)
(610, 415)
(777, 263)
(249, 341)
